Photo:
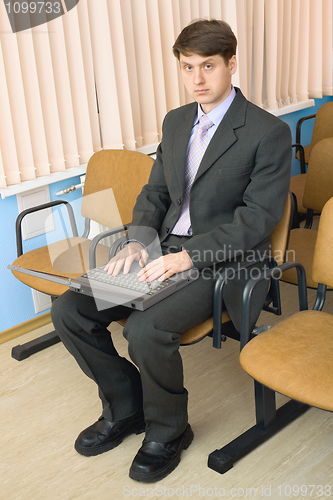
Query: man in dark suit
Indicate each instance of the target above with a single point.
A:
(216, 191)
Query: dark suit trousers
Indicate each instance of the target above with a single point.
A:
(154, 381)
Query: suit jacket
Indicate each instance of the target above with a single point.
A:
(239, 192)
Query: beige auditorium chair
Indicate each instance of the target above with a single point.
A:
(293, 358)
(322, 129)
(318, 189)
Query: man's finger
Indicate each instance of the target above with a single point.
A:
(128, 262)
(143, 258)
(153, 270)
(114, 270)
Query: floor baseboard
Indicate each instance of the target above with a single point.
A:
(26, 327)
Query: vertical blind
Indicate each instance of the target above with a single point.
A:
(103, 75)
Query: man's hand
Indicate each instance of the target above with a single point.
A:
(164, 267)
(124, 259)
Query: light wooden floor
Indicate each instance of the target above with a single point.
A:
(46, 401)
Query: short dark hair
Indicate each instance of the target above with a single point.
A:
(206, 38)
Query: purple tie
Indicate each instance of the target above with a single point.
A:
(194, 157)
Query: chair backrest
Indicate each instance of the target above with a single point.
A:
(114, 179)
(280, 235)
(319, 179)
(323, 125)
(322, 269)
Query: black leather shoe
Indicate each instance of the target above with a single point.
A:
(104, 435)
(154, 460)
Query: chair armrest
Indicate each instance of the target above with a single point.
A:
(298, 145)
(37, 208)
(320, 297)
(97, 239)
(299, 126)
(274, 273)
(218, 296)
(308, 218)
(300, 148)
(115, 245)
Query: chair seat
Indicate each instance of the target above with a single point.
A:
(302, 242)
(196, 333)
(295, 358)
(68, 258)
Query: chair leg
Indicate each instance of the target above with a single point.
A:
(20, 352)
(265, 406)
(269, 422)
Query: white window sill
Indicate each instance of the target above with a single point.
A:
(291, 108)
(43, 181)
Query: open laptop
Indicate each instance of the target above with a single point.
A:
(127, 290)
(124, 289)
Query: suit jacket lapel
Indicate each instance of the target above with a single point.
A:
(182, 136)
(224, 136)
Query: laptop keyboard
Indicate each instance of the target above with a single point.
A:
(129, 281)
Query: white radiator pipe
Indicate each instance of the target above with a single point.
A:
(69, 189)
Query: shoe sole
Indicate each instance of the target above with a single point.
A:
(98, 450)
(161, 474)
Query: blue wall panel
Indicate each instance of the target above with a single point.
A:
(16, 303)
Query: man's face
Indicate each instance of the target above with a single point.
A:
(207, 78)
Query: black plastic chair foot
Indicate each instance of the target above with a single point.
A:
(23, 351)
(222, 460)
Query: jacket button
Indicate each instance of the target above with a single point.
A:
(179, 201)
(167, 229)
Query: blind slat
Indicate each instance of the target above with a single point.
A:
(89, 76)
(62, 87)
(78, 88)
(33, 103)
(271, 46)
(258, 51)
(11, 173)
(145, 74)
(327, 47)
(104, 74)
(48, 97)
